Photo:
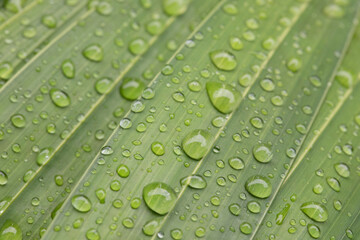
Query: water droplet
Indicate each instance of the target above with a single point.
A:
(337, 205)
(101, 195)
(257, 122)
(158, 148)
(200, 232)
(280, 217)
(254, 207)
(235, 209)
(6, 70)
(49, 21)
(94, 53)
(315, 211)
(123, 171)
(81, 203)
(236, 43)
(294, 64)
(126, 123)
(92, 234)
(318, 188)
(230, 9)
(10, 231)
(334, 11)
(345, 78)
(44, 156)
(159, 197)
(178, 97)
(314, 231)
(218, 121)
(246, 228)
(138, 46)
(262, 153)
(152, 226)
(29, 32)
(342, 169)
(259, 186)
(267, 84)
(104, 8)
(131, 88)
(155, 27)
(333, 183)
(236, 163)
(107, 150)
(68, 68)
(176, 234)
(197, 143)
(194, 181)
(59, 98)
(223, 96)
(18, 120)
(59, 180)
(175, 7)
(223, 60)
(3, 178)
(194, 86)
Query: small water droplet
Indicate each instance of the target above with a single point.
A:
(280, 217)
(3, 178)
(333, 183)
(68, 68)
(262, 153)
(18, 120)
(236, 163)
(152, 226)
(175, 7)
(294, 64)
(194, 181)
(334, 11)
(246, 228)
(342, 169)
(44, 156)
(158, 148)
(138, 46)
(123, 171)
(6, 70)
(49, 21)
(314, 231)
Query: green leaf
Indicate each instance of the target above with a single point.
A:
(182, 119)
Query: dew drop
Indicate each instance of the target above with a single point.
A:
(44, 156)
(59, 98)
(158, 148)
(194, 86)
(3, 178)
(236, 163)
(254, 207)
(68, 68)
(345, 78)
(49, 21)
(257, 122)
(334, 11)
(81, 203)
(333, 183)
(92, 234)
(94, 53)
(342, 169)
(6, 70)
(262, 153)
(222, 96)
(138, 46)
(223, 60)
(123, 171)
(197, 143)
(178, 97)
(131, 88)
(18, 120)
(151, 227)
(101, 195)
(294, 64)
(236, 43)
(280, 217)
(175, 7)
(267, 84)
(315, 211)
(313, 230)
(10, 231)
(103, 85)
(194, 181)
(159, 197)
(106, 151)
(259, 186)
(176, 233)
(235, 209)
(246, 228)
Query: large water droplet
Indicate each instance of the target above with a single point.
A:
(5, 70)
(10, 231)
(81, 203)
(44, 156)
(59, 98)
(18, 120)
(159, 197)
(94, 53)
(175, 7)
(223, 96)
(259, 186)
(3, 178)
(262, 153)
(197, 143)
(194, 181)
(131, 88)
(158, 148)
(223, 60)
(345, 78)
(68, 68)
(342, 169)
(315, 211)
(123, 171)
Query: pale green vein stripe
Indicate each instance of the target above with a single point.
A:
(13, 18)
